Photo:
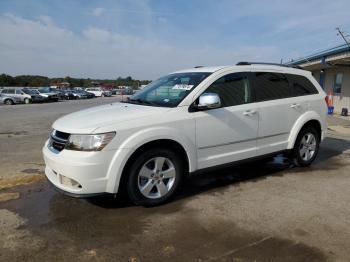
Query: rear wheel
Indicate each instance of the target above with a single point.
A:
(306, 146)
(154, 177)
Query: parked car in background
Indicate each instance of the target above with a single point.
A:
(123, 91)
(97, 91)
(65, 94)
(35, 95)
(188, 121)
(15, 96)
(51, 95)
(107, 93)
(79, 94)
(88, 95)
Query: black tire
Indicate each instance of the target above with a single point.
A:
(8, 102)
(132, 184)
(27, 101)
(297, 158)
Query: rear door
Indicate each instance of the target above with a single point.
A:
(228, 133)
(301, 87)
(274, 97)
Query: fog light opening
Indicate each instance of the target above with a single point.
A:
(66, 181)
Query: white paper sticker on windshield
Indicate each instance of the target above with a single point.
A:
(182, 87)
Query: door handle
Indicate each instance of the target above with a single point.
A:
(295, 105)
(249, 112)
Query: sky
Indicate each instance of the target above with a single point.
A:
(146, 39)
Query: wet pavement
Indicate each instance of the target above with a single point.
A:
(262, 211)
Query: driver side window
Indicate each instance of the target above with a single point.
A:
(233, 89)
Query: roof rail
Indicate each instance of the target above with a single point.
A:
(260, 63)
(200, 66)
(264, 63)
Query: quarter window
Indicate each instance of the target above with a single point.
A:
(270, 86)
(301, 86)
(233, 89)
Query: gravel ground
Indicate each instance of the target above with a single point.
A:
(267, 211)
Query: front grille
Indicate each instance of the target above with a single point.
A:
(58, 140)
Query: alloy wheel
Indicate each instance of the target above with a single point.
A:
(307, 146)
(156, 177)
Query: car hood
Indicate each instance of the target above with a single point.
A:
(88, 120)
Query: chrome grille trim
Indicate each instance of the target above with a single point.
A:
(58, 140)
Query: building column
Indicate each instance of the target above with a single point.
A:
(322, 77)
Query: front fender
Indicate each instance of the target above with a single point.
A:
(142, 137)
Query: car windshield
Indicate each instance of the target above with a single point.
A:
(30, 91)
(44, 90)
(169, 90)
(47, 90)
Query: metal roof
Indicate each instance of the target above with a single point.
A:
(331, 51)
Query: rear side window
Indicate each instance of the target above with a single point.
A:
(270, 86)
(301, 86)
(10, 91)
(233, 89)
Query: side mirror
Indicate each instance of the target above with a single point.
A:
(209, 101)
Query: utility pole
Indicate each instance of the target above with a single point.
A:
(341, 33)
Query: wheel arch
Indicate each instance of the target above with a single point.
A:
(9, 99)
(309, 119)
(164, 143)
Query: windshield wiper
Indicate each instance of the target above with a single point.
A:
(140, 101)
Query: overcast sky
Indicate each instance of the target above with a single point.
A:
(146, 39)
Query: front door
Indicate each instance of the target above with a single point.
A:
(228, 133)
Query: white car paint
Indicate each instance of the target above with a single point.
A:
(210, 138)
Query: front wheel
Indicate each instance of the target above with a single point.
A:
(306, 147)
(154, 177)
(8, 102)
(26, 101)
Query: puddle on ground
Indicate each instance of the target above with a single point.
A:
(9, 196)
(33, 171)
(9, 182)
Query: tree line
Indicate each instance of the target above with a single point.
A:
(41, 81)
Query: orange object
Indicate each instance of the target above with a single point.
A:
(330, 98)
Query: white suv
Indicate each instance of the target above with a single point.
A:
(187, 122)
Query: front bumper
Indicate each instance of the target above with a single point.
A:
(76, 172)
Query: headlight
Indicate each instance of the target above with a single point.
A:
(89, 142)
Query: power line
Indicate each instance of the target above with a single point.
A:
(341, 33)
